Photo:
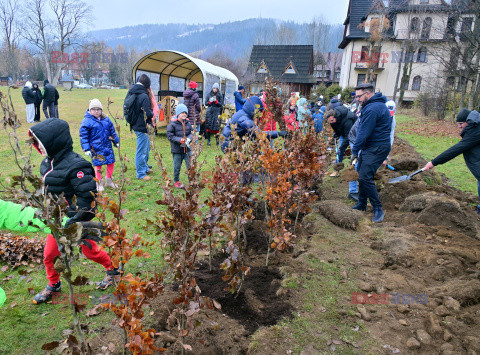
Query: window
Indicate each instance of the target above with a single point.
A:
(466, 29)
(417, 82)
(427, 26)
(423, 1)
(361, 78)
(422, 55)
(337, 75)
(262, 69)
(290, 69)
(451, 24)
(414, 25)
(462, 82)
(364, 54)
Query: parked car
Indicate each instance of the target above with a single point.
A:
(84, 86)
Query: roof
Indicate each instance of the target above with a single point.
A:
(278, 58)
(357, 10)
(181, 65)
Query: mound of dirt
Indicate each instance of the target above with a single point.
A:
(349, 174)
(407, 161)
(339, 214)
(436, 210)
(396, 249)
(465, 292)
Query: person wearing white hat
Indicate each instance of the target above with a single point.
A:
(29, 97)
(97, 134)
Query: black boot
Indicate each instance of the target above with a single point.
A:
(359, 206)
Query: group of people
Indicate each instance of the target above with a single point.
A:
(33, 97)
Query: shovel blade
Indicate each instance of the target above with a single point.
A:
(399, 179)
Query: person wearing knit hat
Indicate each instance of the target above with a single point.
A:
(97, 134)
(180, 134)
(29, 97)
(469, 123)
(191, 99)
(239, 100)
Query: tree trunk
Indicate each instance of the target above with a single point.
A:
(47, 66)
(395, 89)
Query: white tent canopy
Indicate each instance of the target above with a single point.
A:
(171, 71)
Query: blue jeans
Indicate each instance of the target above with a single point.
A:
(178, 159)
(368, 163)
(341, 152)
(141, 155)
(353, 185)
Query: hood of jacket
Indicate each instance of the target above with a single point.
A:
(52, 137)
(473, 118)
(378, 97)
(342, 113)
(138, 89)
(189, 93)
(301, 102)
(253, 103)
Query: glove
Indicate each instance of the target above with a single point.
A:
(188, 142)
(88, 152)
(182, 141)
(282, 133)
(354, 159)
(216, 102)
(211, 99)
(116, 145)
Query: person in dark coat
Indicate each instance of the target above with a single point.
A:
(191, 99)
(469, 122)
(334, 103)
(141, 108)
(48, 99)
(341, 119)
(29, 97)
(244, 122)
(373, 140)
(214, 102)
(239, 100)
(38, 101)
(180, 133)
(66, 172)
(97, 134)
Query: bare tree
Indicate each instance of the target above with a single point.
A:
(10, 33)
(59, 31)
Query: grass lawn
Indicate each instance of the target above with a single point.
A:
(24, 327)
(431, 144)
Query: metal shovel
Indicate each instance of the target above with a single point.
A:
(404, 177)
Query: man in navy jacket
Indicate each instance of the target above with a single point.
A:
(373, 140)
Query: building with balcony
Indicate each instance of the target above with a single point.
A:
(382, 37)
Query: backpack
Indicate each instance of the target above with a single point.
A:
(129, 108)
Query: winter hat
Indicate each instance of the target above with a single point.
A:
(95, 103)
(28, 84)
(391, 105)
(240, 87)
(462, 115)
(216, 86)
(144, 80)
(181, 108)
(193, 85)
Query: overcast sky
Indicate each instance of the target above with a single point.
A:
(120, 13)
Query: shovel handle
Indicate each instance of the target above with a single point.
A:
(415, 173)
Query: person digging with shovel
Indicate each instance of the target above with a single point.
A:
(373, 140)
(469, 123)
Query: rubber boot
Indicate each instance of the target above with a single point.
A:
(359, 207)
(100, 187)
(109, 183)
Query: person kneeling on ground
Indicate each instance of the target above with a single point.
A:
(373, 140)
(244, 124)
(66, 172)
(469, 123)
(179, 133)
